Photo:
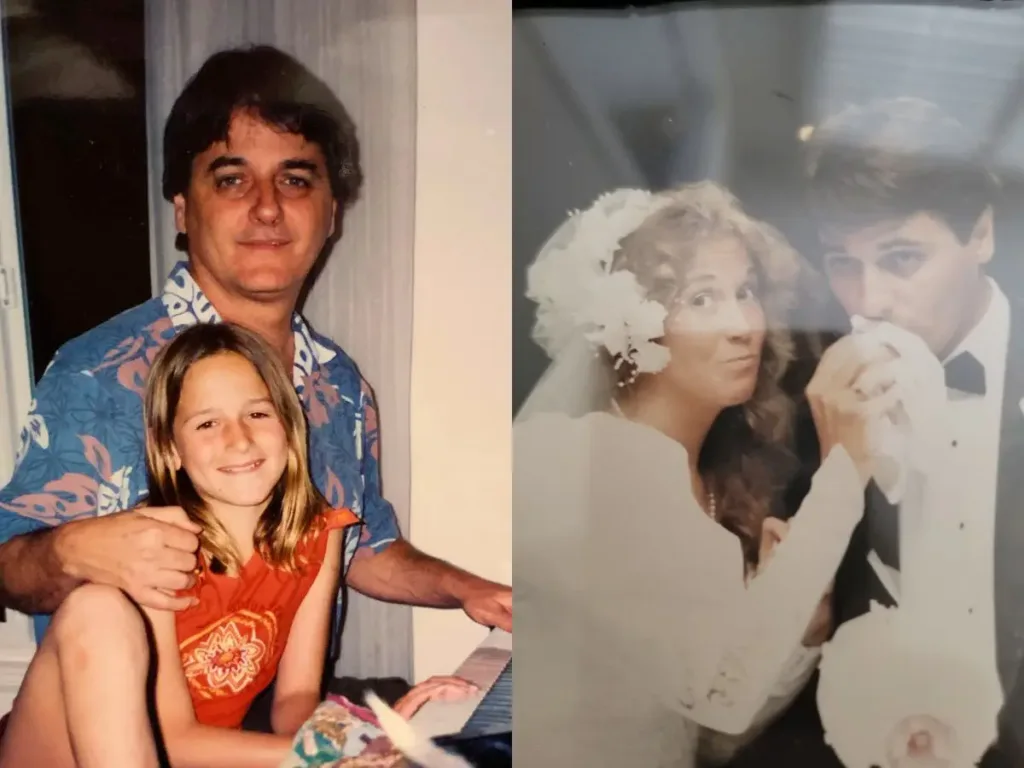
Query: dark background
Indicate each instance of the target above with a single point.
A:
(78, 118)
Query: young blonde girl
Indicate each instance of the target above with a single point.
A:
(226, 442)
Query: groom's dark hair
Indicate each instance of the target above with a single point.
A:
(892, 159)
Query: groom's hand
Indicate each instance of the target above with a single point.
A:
(851, 388)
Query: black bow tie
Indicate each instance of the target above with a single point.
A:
(966, 374)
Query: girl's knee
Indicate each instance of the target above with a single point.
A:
(96, 609)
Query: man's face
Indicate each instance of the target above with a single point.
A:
(258, 211)
(914, 272)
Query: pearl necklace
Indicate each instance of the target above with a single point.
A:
(710, 502)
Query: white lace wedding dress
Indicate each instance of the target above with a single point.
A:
(645, 645)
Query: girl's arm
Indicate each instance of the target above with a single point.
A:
(297, 689)
(189, 743)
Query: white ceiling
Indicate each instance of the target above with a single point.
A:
(769, 70)
(967, 60)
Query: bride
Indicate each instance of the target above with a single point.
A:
(670, 608)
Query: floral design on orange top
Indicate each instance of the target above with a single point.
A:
(231, 641)
(228, 656)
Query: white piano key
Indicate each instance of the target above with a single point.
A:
(482, 667)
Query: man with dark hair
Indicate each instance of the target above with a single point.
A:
(260, 162)
(905, 216)
(904, 210)
(284, 95)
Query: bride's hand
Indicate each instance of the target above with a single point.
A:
(852, 387)
(773, 531)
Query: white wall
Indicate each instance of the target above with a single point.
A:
(461, 368)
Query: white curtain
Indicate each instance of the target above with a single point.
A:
(366, 51)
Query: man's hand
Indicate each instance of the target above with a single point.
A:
(149, 553)
(853, 386)
(488, 603)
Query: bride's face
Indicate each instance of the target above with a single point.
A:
(716, 326)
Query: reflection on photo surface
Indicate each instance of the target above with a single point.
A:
(769, 405)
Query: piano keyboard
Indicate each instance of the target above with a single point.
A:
(488, 712)
(494, 715)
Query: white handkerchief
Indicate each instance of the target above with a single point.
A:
(907, 437)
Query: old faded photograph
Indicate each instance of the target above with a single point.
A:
(768, 384)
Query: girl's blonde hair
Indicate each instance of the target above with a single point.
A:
(295, 505)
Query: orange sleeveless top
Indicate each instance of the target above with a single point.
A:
(232, 640)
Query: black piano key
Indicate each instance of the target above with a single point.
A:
(494, 713)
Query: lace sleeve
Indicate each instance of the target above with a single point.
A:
(719, 748)
(761, 633)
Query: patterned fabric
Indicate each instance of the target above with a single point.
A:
(82, 449)
(342, 735)
(227, 657)
(231, 641)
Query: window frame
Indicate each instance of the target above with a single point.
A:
(17, 640)
(15, 353)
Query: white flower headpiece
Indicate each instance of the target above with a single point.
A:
(577, 293)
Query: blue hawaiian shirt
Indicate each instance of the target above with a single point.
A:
(82, 450)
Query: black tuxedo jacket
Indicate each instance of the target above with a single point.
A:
(857, 584)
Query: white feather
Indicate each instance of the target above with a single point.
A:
(407, 740)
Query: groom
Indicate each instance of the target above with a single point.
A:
(906, 229)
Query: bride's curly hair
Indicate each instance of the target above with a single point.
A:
(747, 458)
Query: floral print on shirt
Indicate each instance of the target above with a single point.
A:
(341, 734)
(225, 658)
(82, 449)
